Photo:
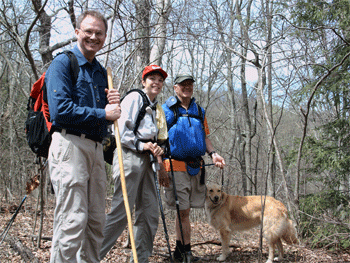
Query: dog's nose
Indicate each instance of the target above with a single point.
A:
(216, 198)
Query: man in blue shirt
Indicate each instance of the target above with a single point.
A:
(80, 113)
(188, 139)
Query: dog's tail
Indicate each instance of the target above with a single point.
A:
(290, 235)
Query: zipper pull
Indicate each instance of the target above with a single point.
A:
(188, 117)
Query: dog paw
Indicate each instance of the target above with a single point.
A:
(221, 258)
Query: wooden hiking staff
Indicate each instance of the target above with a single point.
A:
(122, 175)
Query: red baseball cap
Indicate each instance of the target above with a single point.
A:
(154, 68)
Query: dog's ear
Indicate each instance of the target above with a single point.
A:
(223, 196)
(207, 189)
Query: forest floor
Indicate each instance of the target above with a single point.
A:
(205, 242)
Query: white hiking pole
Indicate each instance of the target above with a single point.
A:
(122, 175)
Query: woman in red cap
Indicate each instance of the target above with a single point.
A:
(136, 147)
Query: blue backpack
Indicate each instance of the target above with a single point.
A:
(186, 130)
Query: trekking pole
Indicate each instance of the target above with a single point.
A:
(122, 175)
(6, 230)
(153, 163)
(187, 259)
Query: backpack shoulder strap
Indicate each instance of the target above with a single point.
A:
(74, 70)
(35, 92)
(74, 65)
(142, 112)
(175, 109)
(200, 113)
(172, 104)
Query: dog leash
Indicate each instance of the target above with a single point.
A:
(222, 174)
(222, 178)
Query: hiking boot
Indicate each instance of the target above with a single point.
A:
(189, 258)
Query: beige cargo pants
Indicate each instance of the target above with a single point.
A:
(142, 193)
(78, 176)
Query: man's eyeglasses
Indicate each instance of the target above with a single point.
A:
(90, 33)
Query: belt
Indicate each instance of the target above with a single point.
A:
(178, 166)
(147, 140)
(82, 135)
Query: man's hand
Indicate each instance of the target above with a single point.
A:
(113, 96)
(218, 160)
(113, 112)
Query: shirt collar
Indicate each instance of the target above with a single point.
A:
(80, 57)
(178, 102)
(82, 60)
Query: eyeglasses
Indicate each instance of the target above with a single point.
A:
(90, 33)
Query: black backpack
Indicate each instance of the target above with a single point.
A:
(142, 112)
(38, 125)
(109, 143)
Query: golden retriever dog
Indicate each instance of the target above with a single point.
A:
(228, 213)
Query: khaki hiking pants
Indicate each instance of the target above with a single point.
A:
(142, 193)
(78, 176)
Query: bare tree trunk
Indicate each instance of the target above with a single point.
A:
(25, 253)
(272, 156)
(142, 35)
(163, 8)
(270, 127)
(42, 199)
(44, 33)
(245, 152)
(110, 32)
(248, 127)
(234, 127)
(11, 130)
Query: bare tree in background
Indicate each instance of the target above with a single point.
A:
(162, 11)
(142, 36)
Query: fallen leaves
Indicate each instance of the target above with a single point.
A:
(205, 242)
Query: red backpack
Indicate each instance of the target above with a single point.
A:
(38, 125)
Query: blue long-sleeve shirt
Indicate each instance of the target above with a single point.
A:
(78, 108)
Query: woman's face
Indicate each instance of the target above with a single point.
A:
(153, 84)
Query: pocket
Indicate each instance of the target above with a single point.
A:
(82, 93)
(169, 198)
(60, 149)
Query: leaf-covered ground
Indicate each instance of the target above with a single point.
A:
(244, 246)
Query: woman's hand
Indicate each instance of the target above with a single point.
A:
(154, 148)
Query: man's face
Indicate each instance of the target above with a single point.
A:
(91, 36)
(184, 89)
